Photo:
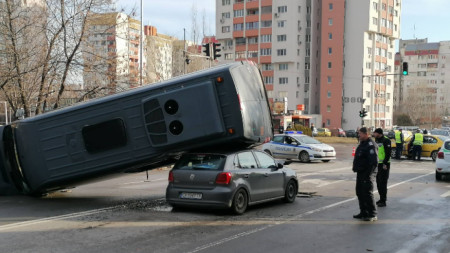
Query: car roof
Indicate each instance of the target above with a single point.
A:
(289, 134)
(225, 152)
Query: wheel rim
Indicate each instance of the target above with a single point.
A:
(240, 201)
(291, 191)
(304, 156)
(434, 155)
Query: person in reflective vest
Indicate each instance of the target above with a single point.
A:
(384, 164)
(417, 142)
(398, 143)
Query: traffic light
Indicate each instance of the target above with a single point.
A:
(363, 113)
(216, 50)
(405, 68)
(207, 49)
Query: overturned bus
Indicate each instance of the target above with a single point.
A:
(140, 128)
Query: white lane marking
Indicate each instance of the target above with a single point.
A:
(332, 182)
(447, 194)
(324, 171)
(233, 237)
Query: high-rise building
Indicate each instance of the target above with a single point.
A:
(334, 56)
(277, 36)
(158, 52)
(424, 93)
(111, 52)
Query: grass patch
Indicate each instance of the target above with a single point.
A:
(351, 140)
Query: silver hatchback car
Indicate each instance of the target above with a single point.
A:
(229, 180)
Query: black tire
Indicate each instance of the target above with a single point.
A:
(438, 176)
(291, 191)
(325, 161)
(268, 152)
(434, 155)
(303, 157)
(240, 202)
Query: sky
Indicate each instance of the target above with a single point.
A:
(419, 18)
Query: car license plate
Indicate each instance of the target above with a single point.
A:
(190, 195)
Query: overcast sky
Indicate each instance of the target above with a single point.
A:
(430, 18)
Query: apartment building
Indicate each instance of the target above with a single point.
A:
(159, 54)
(423, 94)
(111, 52)
(276, 35)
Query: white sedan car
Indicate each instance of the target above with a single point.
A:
(443, 160)
(293, 145)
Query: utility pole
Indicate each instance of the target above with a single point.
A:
(184, 50)
(141, 59)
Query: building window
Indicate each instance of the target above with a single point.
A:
(266, 38)
(375, 21)
(388, 108)
(328, 110)
(329, 65)
(268, 79)
(252, 12)
(330, 7)
(281, 37)
(266, 51)
(225, 29)
(283, 80)
(281, 23)
(266, 67)
(238, 13)
(330, 36)
(328, 122)
(252, 54)
(368, 94)
(238, 27)
(296, 94)
(329, 94)
(253, 40)
(307, 66)
(266, 23)
(241, 41)
(283, 66)
(330, 50)
(251, 25)
(282, 9)
(329, 79)
(228, 56)
(225, 15)
(226, 2)
(330, 21)
(281, 52)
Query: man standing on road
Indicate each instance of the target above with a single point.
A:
(398, 144)
(417, 142)
(365, 166)
(384, 164)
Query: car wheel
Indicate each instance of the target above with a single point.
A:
(438, 176)
(291, 192)
(240, 202)
(434, 155)
(325, 161)
(268, 152)
(303, 157)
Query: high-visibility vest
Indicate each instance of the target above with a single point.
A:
(382, 152)
(418, 139)
(398, 138)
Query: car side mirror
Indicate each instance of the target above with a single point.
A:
(279, 166)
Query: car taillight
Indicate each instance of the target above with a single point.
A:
(441, 155)
(223, 178)
(171, 177)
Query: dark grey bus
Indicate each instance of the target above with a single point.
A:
(143, 128)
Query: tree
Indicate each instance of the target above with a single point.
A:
(402, 120)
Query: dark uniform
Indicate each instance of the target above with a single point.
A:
(384, 158)
(365, 165)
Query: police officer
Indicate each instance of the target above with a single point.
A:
(417, 142)
(398, 143)
(365, 166)
(384, 164)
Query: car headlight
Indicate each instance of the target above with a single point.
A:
(317, 149)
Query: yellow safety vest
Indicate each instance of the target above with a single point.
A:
(418, 139)
(398, 138)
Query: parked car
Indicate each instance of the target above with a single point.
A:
(232, 180)
(323, 132)
(339, 132)
(430, 147)
(443, 160)
(350, 133)
(440, 132)
(292, 145)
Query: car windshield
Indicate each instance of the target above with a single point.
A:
(447, 145)
(307, 140)
(200, 162)
(443, 138)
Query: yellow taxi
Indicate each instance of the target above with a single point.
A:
(323, 132)
(430, 147)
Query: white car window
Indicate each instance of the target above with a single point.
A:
(265, 161)
(247, 160)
